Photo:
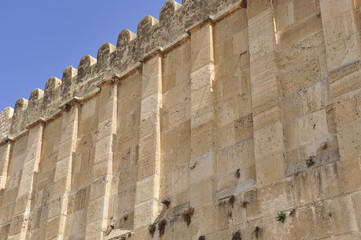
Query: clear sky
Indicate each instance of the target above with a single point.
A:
(40, 38)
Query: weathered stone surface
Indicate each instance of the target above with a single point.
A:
(207, 124)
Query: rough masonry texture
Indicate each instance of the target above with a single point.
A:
(224, 119)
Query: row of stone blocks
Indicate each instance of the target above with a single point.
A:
(111, 60)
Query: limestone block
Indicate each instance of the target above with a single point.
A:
(202, 115)
(148, 125)
(225, 136)
(266, 90)
(256, 7)
(301, 76)
(341, 33)
(284, 14)
(51, 229)
(202, 138)
(201, 193)
(349, 141)
(347, 110)
(204, 167)
(267, 139)
(349, 171)
(16, 224)
(268, 200)
(95, 210)
(342, 215)
(311, 186)
(88, 109)
(345, 84)
(148, 165)
(179, 115)
(310, 222)
(243, 128)
(301, 32)
(151, 77)
(54, 209)
(267, 117)
(147, 189)
(356, 198)
(145, 213)
(150, 106)
(201, 42)
(76, 224)
(4, 231)
(124, 202)
(202, 78)
(126, 159)
(149, 146)
(59, 188)
(261, 34)
(240, 155)
(180, 180)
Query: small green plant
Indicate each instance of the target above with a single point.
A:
(281, 216)
(310, 161)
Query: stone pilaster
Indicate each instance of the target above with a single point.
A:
(203, 121)
(343, 48)
(4, 162)
(148, 183)
(63, 172)
(26, 186)
(98, 219)
(266, 92)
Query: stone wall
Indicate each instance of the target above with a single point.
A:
(222, 120)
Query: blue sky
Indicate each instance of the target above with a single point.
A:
(40, 38)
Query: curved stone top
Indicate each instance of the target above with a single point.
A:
(111, 60)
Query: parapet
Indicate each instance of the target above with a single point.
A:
(130, 49)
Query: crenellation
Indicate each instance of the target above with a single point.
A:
(35, 96)
(104, 54)
(125, 37)
(168, 10)
(68, 83)
(33, 112)
(145, 26)
(50, 103)
(18, 118)
(85, 67)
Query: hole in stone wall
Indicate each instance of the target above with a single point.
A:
(236, 236)
(152, 229)
(161, 227)
(187, 215)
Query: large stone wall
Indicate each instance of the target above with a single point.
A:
(215, 122)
